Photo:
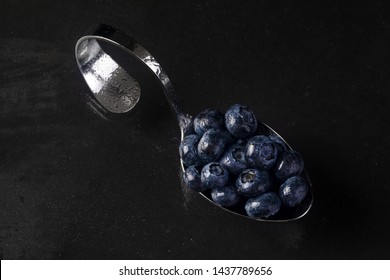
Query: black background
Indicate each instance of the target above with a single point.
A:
(73, 186)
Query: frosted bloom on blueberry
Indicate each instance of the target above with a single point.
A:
(252, 182)
(261, 152)
(263, 206)
(293, 191)
(191, 178)
(240, 121)
(214, 175)
(226, 196)
(212, 145)
(234, 159)
(188, 150)
(289, 163)
(208, 119)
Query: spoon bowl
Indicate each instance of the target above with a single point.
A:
(114, 93)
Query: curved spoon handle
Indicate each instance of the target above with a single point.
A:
(87, 49)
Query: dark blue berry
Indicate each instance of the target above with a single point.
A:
(279, 143)
(252, 182)
(263, 206)
(240, 121)
(261, 152)
(212, 145)
(289, 163)
(214, 175)
(208, 119)
(191, 178)
(234, 159)
(227, 196)
(188, 150)
(293, 191)
(186, 124)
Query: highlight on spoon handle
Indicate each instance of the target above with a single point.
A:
(88, 51)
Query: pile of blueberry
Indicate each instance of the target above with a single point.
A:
(241, 164)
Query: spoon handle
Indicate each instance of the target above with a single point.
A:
(129, 44)
(184, 120)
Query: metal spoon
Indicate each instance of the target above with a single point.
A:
(113, 92)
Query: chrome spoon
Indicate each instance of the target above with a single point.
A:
(114, 92)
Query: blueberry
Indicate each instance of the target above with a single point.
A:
(191, 178)
(234, 159)
(293, 191)
(226, 196)
(240, 121)
(214, 175)
(261, 152)
(252, 182)
(208, 119)
(289, 163)
(188, 150)
(263, 206)
(212, 144)
(186, 124)
(279, 143)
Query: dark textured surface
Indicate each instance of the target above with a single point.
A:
(74, 186)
